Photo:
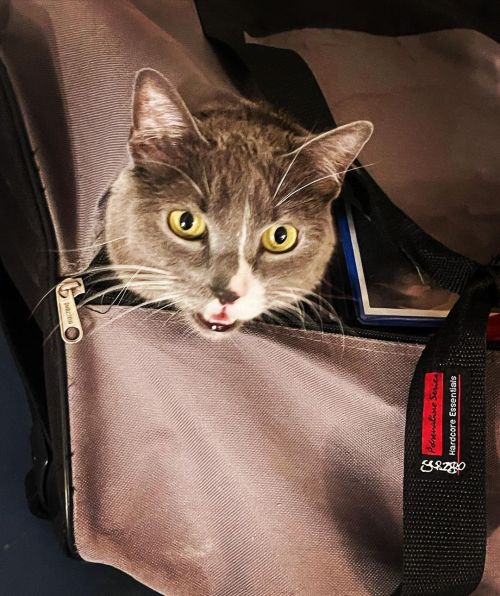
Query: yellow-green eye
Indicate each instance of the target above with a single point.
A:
(186, 224)
(279, 238)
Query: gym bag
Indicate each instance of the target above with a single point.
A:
(308, 460)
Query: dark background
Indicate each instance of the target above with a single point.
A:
(31, 560)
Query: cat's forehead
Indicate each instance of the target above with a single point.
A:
(241, 182)
(236, 175)
(252, 156)
(238, 199)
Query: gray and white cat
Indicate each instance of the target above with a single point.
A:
(225, 213)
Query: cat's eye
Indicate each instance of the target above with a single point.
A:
(279, 238)
(185, 224)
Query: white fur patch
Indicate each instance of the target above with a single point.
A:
(249, 305)
(242, 279)
(251, 292)
(243, 233)
(252, 302)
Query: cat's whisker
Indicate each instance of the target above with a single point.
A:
(334, 175)
(297, 295)
(329, 309)
(85, 303)
(297, 305)
(274, 313)
(120, 273)
(312, 306)
(317, 312)
(297, 190)
(128, 311)
(332, 293)
(51, 333)
(146, 285)
(174, 314)
(273, 317)
(322, 303)
(294, 309)
(297, 153)
(46, 295)
(122, 292)
(164, 275)
(301, 316)
(170, 304)
(323, 306)
(188, 332)
(100, 280)
(127, 268)
(89, 247)
(95, 275)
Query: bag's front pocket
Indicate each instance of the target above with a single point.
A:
(266, 463)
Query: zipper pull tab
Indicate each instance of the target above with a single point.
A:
(69, 321)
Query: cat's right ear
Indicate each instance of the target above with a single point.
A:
(161, 120)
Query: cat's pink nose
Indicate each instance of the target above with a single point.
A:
(226, 296)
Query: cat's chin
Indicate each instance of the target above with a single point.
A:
(214, 330)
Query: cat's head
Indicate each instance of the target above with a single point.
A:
(228, 212)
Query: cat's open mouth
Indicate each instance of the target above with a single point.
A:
(216, 326)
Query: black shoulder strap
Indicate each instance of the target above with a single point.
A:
(444, 508)
(444, 483)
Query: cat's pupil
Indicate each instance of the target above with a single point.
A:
(280, 235)
(186, 220)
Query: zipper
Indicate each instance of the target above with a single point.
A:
(330, 327)
(72, 331)
(70, 325)
(361, 332)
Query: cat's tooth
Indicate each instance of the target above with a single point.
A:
(69, 321)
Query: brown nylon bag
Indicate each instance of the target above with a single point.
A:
(267, 465)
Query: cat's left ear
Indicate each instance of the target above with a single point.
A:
(161, 119)
(333, 152)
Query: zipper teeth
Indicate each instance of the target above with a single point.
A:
(326, 327)
(332, 328)
(363, 333)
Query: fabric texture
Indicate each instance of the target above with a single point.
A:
(272, 464)
(275, 468)
(72, 64)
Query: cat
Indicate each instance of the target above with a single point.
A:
(225, 213)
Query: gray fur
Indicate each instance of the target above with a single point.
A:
(227, 162)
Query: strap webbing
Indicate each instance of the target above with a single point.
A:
(444, 508)
(444, 490)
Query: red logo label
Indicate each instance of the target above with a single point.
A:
(432, 415)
